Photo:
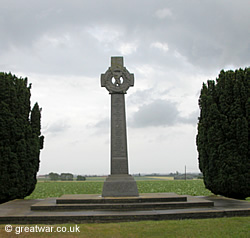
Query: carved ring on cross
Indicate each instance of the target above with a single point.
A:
(118, 77)
(117, 80)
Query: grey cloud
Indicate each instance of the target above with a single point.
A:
(146, 96)
(203, 33)
(103, 124)
(140, 97)
(209, 35)
(57, 127)
(157, 113)
(160, 113)
(101, 127)
(213, 32)
(192, 118)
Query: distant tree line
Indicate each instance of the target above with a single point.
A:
(177, 175)
(65, 177)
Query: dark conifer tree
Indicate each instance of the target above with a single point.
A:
(224, 134)
(20, 138)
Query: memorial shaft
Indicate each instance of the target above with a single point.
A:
(117, 81)
(119, 153)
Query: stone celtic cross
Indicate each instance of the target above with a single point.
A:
(117, 78)
(117, 81)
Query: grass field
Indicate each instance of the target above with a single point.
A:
(219, 227)
(94, 186)
(57, 189)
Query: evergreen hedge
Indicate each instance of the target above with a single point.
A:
(224, 133)
(20, 138)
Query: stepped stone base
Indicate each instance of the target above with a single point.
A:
(87, 208)
(143, 198)
(158, 201)
(122, 185)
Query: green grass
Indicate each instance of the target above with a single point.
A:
(182, 187)
(205, 228)
(57, 189)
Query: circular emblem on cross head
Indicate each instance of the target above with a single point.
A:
(117, 80)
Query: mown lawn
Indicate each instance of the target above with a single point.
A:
(205, 228)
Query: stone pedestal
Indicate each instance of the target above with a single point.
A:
(117, 81)
(122, 185)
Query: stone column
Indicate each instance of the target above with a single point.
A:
(119, 153)
(117, 80)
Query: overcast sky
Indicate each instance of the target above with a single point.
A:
(171, 46)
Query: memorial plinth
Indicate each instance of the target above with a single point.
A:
(117, 81)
